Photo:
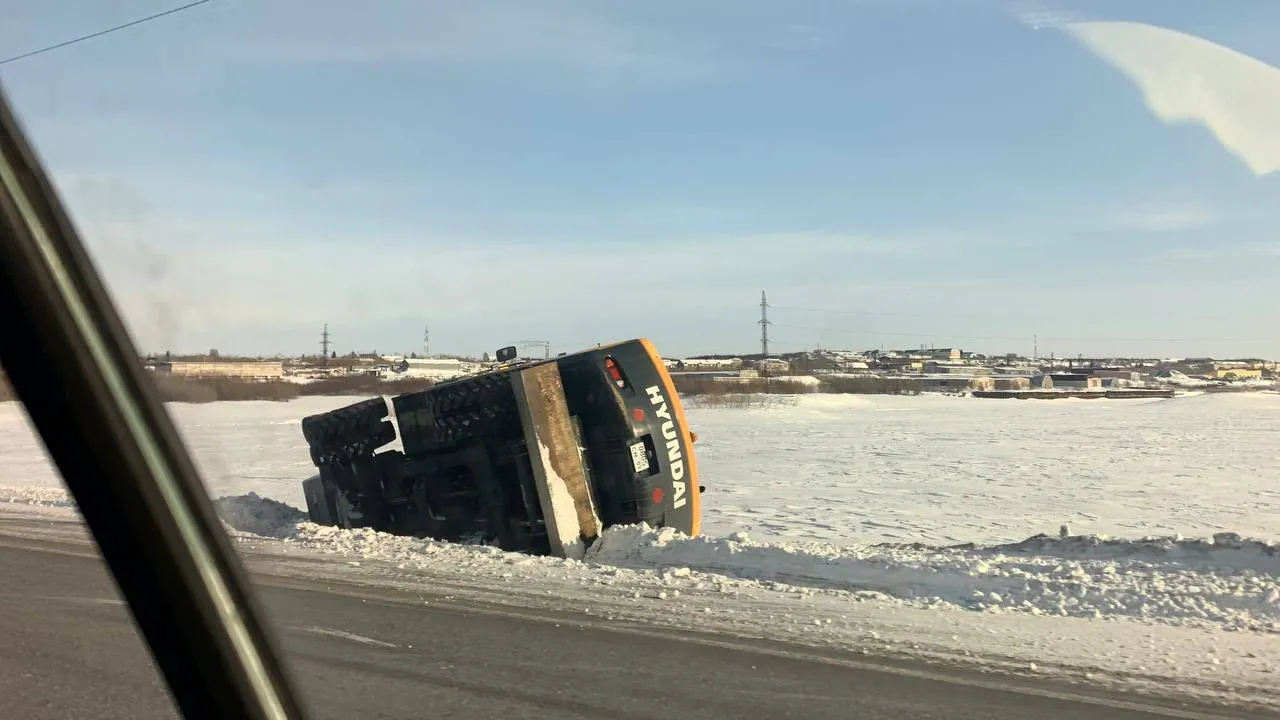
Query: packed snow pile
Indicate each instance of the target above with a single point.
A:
(1222, 548)
(1178, 379)
(37, 496)
(1225, 582)
(256, 515)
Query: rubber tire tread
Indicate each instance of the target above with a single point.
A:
(471, 393)
(466, 409)
(349, 431)
(356, 447)
(470, 424)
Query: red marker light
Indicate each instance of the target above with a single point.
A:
(657, 496)
(615, 372)
(637, 414)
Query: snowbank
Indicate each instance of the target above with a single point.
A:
(1223, 583)
(37, 496)
(259, 516)
(1145, 614)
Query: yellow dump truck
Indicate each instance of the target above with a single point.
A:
(534, 456)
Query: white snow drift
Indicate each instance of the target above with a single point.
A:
(1223, 582)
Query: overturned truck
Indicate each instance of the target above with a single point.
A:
(533, 456)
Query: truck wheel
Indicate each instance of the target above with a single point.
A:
(351, 431)
(456, 411)
(459, 427)
(471, 393)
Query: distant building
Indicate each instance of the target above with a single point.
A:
(1027, 370)
(954, 383)
(1076, 381)
(944, 354)
(1011, 382)
(774, 366)
(712, 363)
(438, 368)
(953, 368)
(899, 363)
(248, 370)
(1116, 374)
(1237, 373)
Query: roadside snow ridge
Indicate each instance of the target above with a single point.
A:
(1223, 582)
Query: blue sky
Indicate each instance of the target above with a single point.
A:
(966, 173)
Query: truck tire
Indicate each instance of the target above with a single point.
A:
(459, 427)
(465, 394)
(348, 432)
(457, 411)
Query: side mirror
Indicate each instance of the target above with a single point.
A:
(507, 354)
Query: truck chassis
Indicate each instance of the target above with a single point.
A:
(536, 457)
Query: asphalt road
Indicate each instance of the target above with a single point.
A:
(69, 650)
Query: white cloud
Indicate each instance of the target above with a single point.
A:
(798, 36)
(1252, 252)
(1156, 218)
(579, 41)
(1187, 79)
(1040, 15)
(1188, 254)
(1266, 249)
(571, 45)
(194, 283)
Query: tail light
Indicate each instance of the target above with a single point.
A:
(615, 372)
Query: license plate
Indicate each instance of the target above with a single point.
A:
(639, 457)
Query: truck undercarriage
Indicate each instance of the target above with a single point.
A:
(535, 457)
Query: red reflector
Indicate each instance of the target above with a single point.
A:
(637, 414)
(615, 372)
(657, 495)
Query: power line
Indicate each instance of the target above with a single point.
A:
(850, 331)
(989, 318)
(1057, 338)
(875, 313)
(100, 33)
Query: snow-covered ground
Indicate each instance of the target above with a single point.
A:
(838, 520)
(943, 470)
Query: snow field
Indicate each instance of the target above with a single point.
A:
(902, 525)
(947, 470)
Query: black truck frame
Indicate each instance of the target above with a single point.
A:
(534, 456)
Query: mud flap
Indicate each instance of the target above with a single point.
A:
(320, 508)
(568, 510)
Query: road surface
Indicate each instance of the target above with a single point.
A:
(69, 650)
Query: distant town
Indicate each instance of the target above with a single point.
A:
(950, 370)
